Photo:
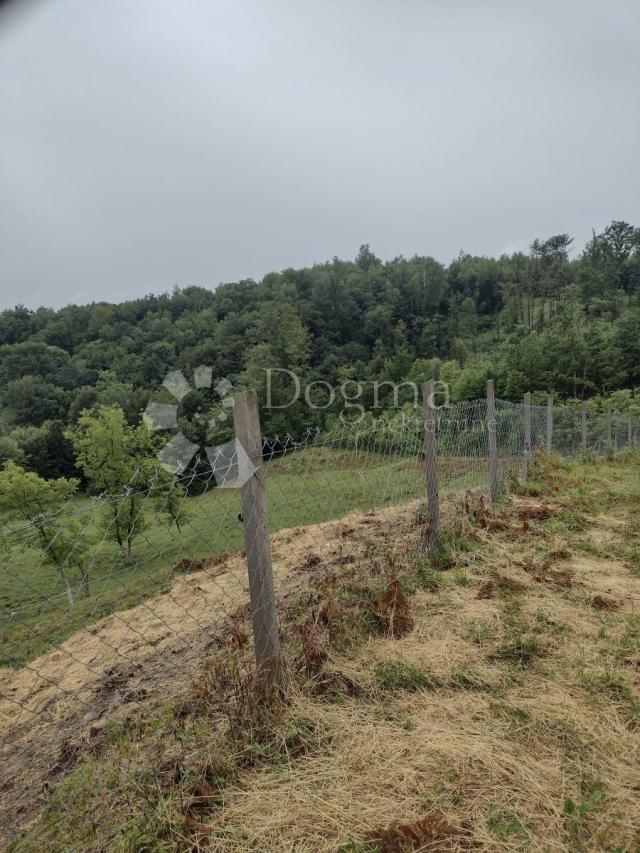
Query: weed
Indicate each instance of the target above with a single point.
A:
(568, 522)
(358, 847)
(633, 560)
(529, 486)
(389, 714)
(587, 545)
(397, 675)
(517, 717)
(479, 633)
(609, 683)
(520, 649)
(466, 679)
(542, 623)
(628, 650)
(427, 577)
(302, 736)
(564, 734)
(577, 813)
(450, 544)
(460, 576)
(504, 822)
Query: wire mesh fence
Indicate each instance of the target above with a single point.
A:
(110, 598)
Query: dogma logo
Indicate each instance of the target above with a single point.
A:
(229, 462)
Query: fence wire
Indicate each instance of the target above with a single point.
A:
(112, 597)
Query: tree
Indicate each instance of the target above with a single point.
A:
(119, 463)
(31, 401)
(362, 319)
(115, 459)
(46, 450)
(10, 450)
(25, 497)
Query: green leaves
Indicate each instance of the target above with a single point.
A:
(42, 504)
(118, 461)
(24, 494)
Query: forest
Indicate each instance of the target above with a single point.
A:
(550, 320)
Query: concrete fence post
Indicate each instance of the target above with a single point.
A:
(527, 432)
(550, 425)
(494, 476)
(256, 536)
(430, 461)
(584, 427)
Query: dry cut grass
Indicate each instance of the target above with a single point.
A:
(484, 698)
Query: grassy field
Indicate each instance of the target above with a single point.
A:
(485, 698)
(304, 488)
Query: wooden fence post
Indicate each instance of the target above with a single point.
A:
(527, 432)
(256, 536)
(550, 425)
(430, 461)
(494, 477)
(584, 427)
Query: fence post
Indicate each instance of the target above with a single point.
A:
(584, 427)
(630, 431)
(256, 536)
(494, 479)
(430, 463)
(527, 432)
(550, 424)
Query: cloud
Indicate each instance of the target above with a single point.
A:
(150, 144)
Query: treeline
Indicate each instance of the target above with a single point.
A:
(538, 321)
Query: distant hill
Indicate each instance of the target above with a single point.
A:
(538, 321)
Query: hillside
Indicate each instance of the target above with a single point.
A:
(485, 698)
(540, 321)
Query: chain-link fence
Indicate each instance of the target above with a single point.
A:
(110, 599)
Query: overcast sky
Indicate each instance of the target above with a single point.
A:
(148, 143)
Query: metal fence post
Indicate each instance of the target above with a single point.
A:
(430, 462)
(494, 478)
(550, 424)
(584, 427)
(527, 432)
(256, 536)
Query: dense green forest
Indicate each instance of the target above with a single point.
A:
(540, 321)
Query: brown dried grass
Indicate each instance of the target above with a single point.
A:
(482, 741)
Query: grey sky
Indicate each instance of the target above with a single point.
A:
(147, 143)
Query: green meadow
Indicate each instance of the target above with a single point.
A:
(305, 487)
